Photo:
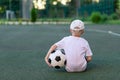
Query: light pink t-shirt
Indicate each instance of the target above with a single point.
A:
(76, 48)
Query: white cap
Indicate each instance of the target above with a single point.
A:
(77, 25)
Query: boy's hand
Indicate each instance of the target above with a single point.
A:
(88, 58)
(46, 60)
(53, 47)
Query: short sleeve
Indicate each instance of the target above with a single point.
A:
(88, 50)
(60, 44)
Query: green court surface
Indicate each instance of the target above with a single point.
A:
(23, 48)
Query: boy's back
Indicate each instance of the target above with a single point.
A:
(76, 48)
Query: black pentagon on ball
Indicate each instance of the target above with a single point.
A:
(57, 67)
(57, 58)
(53, 51)
(63, 52)
(65, 62)
(49, 60)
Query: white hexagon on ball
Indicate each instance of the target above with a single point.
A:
(57, 58)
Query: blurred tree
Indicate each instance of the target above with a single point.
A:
(117, 6)
(10, 5)
(3, 7)
(55, 9)
(88, 1)
(77, 5)
(33, 15)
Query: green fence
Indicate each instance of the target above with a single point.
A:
(104, 7)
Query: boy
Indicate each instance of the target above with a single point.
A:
(77, 49)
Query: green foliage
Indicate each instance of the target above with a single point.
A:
(104, 17)
(13, 5)
(33, 15)
(114, 16)
(96, 17)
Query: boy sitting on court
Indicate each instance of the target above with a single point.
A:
(77, 49)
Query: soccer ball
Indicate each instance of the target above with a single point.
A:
(57, 58)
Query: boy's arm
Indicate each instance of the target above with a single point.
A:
(52, 48)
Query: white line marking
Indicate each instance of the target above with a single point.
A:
(102, 31)
(95, 30)
(113, 33)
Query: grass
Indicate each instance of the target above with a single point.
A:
(57, 20)
(113, 21)
(23, 47)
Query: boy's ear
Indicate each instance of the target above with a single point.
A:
(70, 30)
(82, 31)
